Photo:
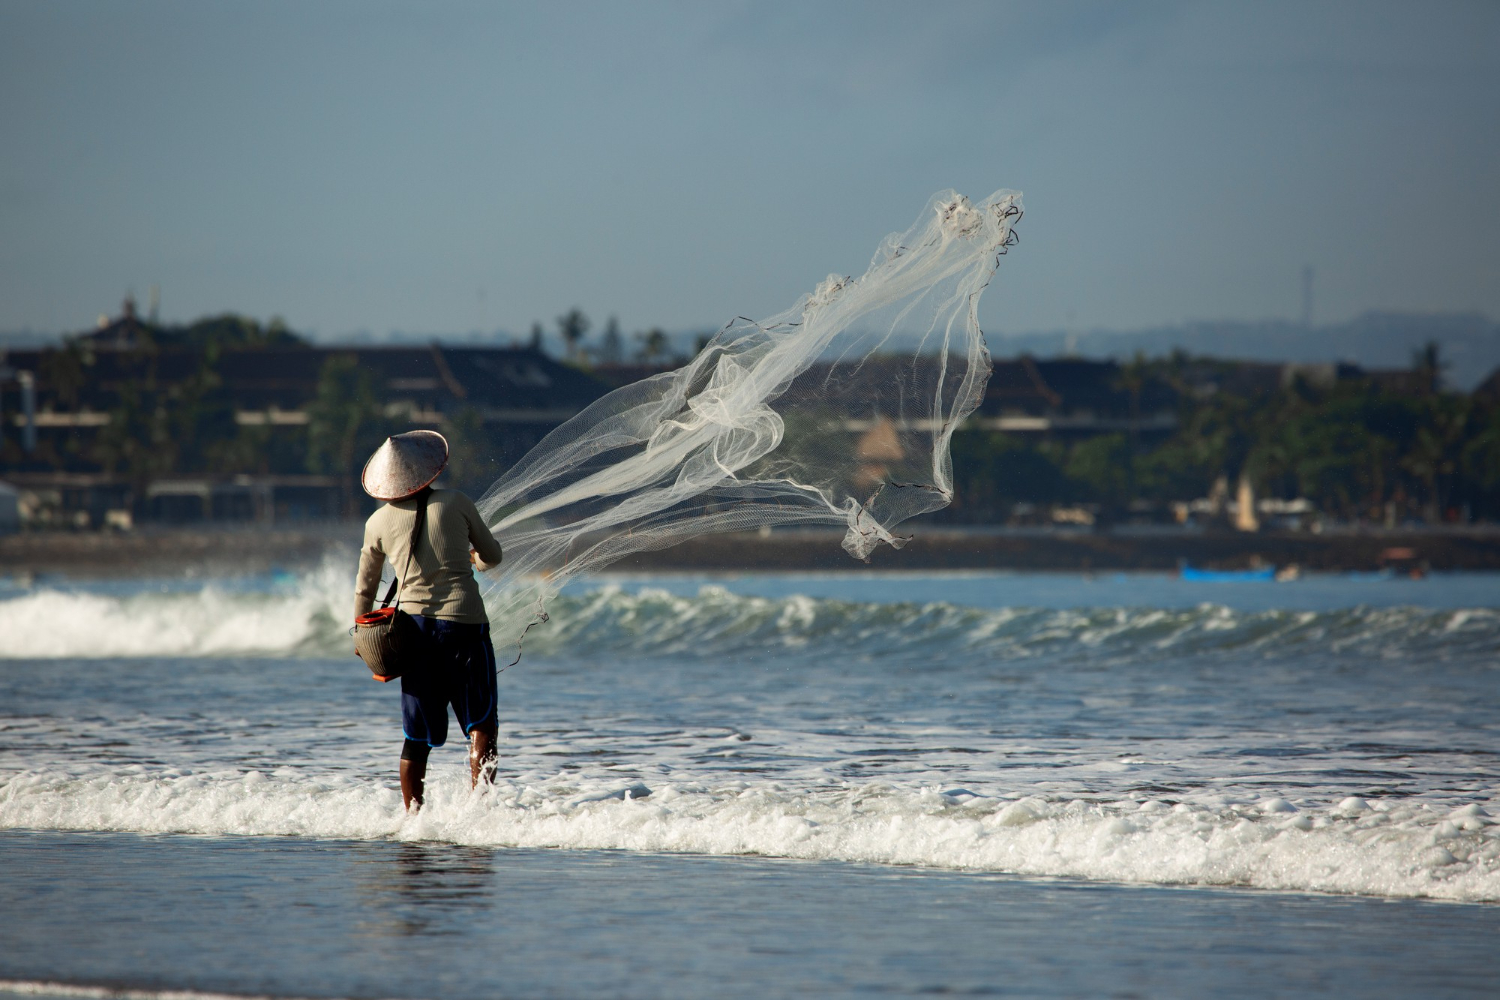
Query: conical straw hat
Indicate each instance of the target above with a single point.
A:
(404, 464)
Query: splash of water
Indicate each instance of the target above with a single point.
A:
(1381, 847)
(303, 617)
(837, 411)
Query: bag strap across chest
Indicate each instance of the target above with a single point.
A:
(398, 582)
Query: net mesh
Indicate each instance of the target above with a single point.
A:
(837, 412)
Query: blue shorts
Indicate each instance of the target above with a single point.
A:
(460, 672)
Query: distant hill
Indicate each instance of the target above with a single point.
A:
(27, 339)
(1469, 342)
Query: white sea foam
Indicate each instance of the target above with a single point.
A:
(300, 616)
(307, 616)
(1388, 848)
(1335, 751)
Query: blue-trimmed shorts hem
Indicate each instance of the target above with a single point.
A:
(459, 673)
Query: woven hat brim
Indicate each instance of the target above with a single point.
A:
(404, 465)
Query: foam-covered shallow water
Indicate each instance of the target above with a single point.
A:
(1283, 740)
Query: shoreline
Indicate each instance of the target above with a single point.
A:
(253, 550)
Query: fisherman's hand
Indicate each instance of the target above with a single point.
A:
(473, 556)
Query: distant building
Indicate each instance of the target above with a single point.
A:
(1074, 397)
(1489, 390)
(10, 511)
(515, 394)
(124, 333)
(58, 404)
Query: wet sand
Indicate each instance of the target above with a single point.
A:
(283, 917)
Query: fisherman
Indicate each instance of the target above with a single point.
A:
(443, 598)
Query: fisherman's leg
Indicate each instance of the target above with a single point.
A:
(475, 701)
(482, 752)
(424, 723)
(413, 771)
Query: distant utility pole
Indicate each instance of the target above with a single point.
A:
(1307, 296)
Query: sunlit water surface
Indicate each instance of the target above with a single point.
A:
(914, 742)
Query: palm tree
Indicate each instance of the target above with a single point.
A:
(1132, 378)
(344, 412)
(654, 345)
(573, 325)
(610, 350)
(1435, 452)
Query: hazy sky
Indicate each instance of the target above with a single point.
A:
(451, 167)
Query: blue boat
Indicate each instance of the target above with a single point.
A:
(1259, 574)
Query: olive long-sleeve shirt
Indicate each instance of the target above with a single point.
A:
(441, 583)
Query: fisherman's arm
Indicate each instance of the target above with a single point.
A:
(486, 555)
(367, 581)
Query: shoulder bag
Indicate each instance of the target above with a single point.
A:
(388, 639)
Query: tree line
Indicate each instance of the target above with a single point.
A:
(1359, 448)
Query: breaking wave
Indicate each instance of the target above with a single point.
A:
(306, 617)
(1383, 847)
(1038, 778)
(716, 622)
(297, 616)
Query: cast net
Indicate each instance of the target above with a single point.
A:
(837, 412)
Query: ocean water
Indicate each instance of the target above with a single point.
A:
(942, 760)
